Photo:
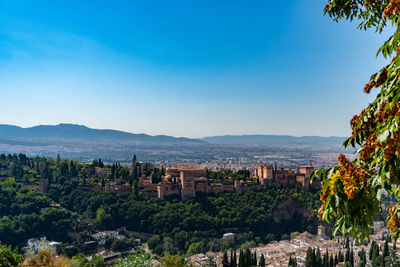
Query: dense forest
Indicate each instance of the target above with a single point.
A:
(71, 206)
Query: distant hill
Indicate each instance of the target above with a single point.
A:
(73, 132)
(274, 140)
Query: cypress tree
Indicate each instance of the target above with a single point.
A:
(327, 258)
(247, 261)
(314, 257)
(375, 255)
(363, 258)
(318, 258)
(225, 261)
(262, 261)
(385, 249)
(371, 250)
(72, 169)
(331, 262)
(351, 257)
(310, 258)
(113, 168)
(324, 261)
(340, 256)
(290, 261)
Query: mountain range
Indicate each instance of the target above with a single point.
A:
(72, 132)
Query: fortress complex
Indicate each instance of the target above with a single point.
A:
(186, 182)
(270, 176)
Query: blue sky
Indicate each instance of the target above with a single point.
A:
(184, 68)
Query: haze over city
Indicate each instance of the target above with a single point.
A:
(183, 68)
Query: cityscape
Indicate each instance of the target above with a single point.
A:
(200, 133)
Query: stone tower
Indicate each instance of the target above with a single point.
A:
(187, 183)
(321, 231)
(307, 170)
(238, 186)
(44, 185)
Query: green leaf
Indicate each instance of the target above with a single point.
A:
(379, 194)
(383, 136)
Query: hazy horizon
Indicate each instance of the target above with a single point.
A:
(177, 136)
(184, 68)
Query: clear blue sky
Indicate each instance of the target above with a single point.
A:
(183, 68)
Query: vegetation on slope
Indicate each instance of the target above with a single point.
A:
(71, 205)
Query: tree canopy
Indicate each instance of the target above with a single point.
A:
(352, 191)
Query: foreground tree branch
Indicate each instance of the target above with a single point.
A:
(351, 192)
